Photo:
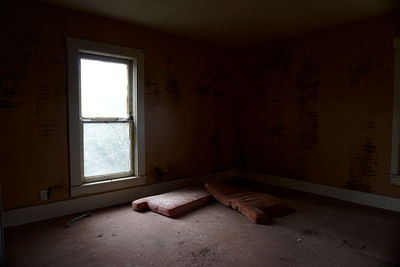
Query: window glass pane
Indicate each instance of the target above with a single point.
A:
(104, 89)
(107, 148)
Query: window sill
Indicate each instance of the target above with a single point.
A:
(108, 185)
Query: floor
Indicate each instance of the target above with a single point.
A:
(321, 232)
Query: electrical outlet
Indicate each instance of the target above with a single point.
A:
(43, 195)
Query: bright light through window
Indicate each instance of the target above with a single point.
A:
(106, 148)
(104, 89)
(106, 117)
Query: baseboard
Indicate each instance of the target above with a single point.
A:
(71, 206)
(378, 201)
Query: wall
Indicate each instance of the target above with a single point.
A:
(318, 107)
(190, 129)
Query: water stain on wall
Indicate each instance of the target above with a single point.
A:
(172, 84)
(12, 74)
(307, 84)
(43, 100)
(281, 58)
(260, 67)
(47, 130)
(14, 69)
(204, 87)
(208, 84)
(160, 174)
(58, 187)
(278, 59)
(152, 91)
(363, 163)
(369, 67)
(8, 93)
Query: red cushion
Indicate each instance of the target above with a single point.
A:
(174, 203)
(258, 207)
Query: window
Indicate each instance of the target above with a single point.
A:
(106, 120)
(394, 168)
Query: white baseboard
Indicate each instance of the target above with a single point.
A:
(71, 206)
(378, 201)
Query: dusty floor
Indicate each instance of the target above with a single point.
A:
(322, 232)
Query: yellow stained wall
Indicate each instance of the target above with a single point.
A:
(318, 107)
(190, 129)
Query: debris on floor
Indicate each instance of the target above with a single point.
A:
(87, 214)
(174, 203)
(260, 208)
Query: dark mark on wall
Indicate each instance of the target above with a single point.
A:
(369, 68)
(160, 174)
(260, 67)
(47, 130)
(61, 88)
(43, 100)
(10, 83)
(170, 60)
(363, 163)
(59, 187)
(277, 62)
(14, 69)
(7, 156)
(275, 131)
(307, 84)
(217, 93)
(205, 88)
(8, 103)
(172, 86)
(281, 59)
(152, 92)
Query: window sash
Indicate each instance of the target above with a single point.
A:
(131, 77)
(103, 177)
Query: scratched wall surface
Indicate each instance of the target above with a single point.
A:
(318, 107)
(190, 129)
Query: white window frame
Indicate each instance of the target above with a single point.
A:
(394, 164)
(76, 47)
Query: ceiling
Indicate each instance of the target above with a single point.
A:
(233, 22)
